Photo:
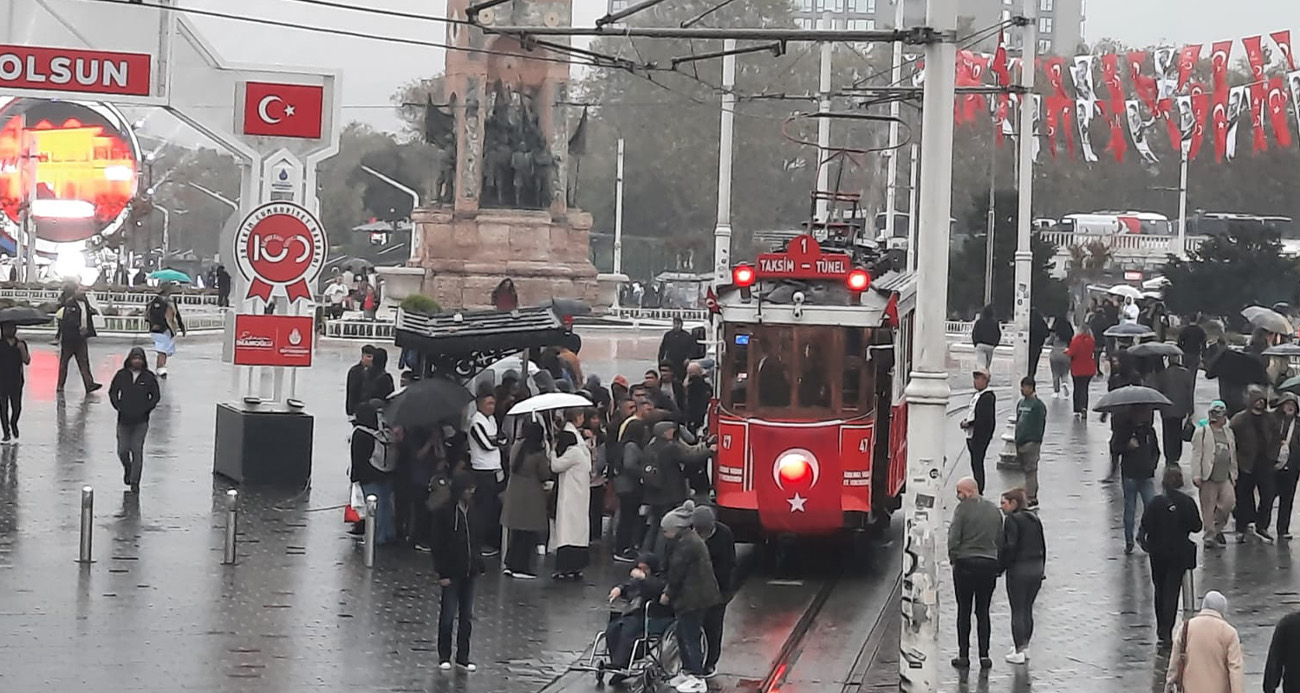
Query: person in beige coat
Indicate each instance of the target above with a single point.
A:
(1206, 657)
(1214, 472)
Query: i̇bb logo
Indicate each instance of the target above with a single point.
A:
(280, 248)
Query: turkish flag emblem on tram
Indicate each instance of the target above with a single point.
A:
(798, 476)
(283, 110)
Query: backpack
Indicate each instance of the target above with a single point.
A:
(157, 312)
(382, 457)
(652, 473)
(70, 325)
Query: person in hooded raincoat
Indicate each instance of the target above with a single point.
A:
(134, 394)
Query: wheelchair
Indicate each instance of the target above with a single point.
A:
(655, 655)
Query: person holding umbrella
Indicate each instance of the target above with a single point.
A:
(1133, 442)
(165, 320)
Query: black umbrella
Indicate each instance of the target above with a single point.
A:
(24, 316)
(1155, 349)
(427, 402)
(1130, 329)
(1288, 350)
(567, 306)
(1131, 396)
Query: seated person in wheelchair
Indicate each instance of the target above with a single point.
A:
(628, 602)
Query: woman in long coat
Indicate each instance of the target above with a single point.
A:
(524, 510)
(572, 465)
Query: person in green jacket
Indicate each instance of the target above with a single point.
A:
(1031, 420)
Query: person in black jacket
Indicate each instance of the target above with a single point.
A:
(374, 458)
(986, 335)
(134, 394)
(221, 279)
(1191, 339)
(699, 396)
(378, 382)
(676, 348)
(1283, 666)
(1167, 521)
(76, 325)
(1038, 333)
(1134, 442)
(1023, 556)
(721, 543)
(457, 562)
(356, 381)
(633, 602)
(979, 423)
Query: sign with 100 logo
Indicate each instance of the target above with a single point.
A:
(280, 249)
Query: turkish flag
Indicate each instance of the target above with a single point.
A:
(1053, 107)
(1283, 41)
(1258, 92)
(1220, 52)
(1187, 60)
(283, 110)
(1255, 55)
(1110, 76)
(1144, 85)
(808, 500)
(1116, 120)
(1276, 104)
(1219, 118)
(1200, 110)
(1068, 123)
(999, 64)
(1056, 74)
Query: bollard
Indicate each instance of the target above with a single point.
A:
(87, 523)
(372, 509)
(232, 523)
(1189, 594)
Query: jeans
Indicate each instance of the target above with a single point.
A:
(984, 355)
(130, 449)
(1172, 436)
(1217, 503)
(11, 406)
(385, 514)
(690, 640)
(713, 620)
(1167, 579)
(1286, 483)
(1133, 489)
(978, 448)
(630, 523)
(457, 601)
(1023, 583)
(620, 637)
(974, 580)
(1080, 393)
(81, 352)
(520, 550)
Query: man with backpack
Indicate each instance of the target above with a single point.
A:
(164, 320)
(373, 463)
(664, 474)
(76, 325)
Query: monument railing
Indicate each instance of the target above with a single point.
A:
(665, 314)
(359, 329)
(103, 298)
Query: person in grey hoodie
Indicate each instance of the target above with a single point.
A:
(974, 545)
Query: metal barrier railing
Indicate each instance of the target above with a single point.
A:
(105, 298)
(358, 329)
(665, 314)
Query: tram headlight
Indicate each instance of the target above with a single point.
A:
(743, 277)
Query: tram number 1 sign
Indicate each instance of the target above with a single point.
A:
(804, 259)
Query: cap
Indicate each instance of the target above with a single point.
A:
(980, 370)
(1218, 405)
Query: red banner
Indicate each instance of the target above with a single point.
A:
(1110, 77)
(1187, 60)
(1255, 55)
(71, 69)
(803, 259)
(1056, 74)
(999, 65)
(1143, 85)
(1200, 110)
(1219, 118)
(1276, 104)
(797, 476)
(1220, 53)
(1115, 117)
(273, 340)
(1258, 93)
(283, 110)
(1283, 41)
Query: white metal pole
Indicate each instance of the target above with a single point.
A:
(927, 393)
(824, 124)
(166, 233)
(1023, 293)
(722, 232)
(992, 230)
(891, 174)
(913, 217)
(27, 234)
(618, 211)
(1182, 205)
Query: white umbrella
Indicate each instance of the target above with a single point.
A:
(549, 402)
(1125, 290)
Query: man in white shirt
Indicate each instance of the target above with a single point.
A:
(485, 462)
(1130, 311)
(335, 294)
(979, 423)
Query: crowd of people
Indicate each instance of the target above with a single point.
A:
(1244, 458)
(519, 488)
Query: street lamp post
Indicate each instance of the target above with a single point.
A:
(927, 393)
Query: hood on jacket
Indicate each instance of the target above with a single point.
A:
(368, 413)
(1288, 397)
(380, 362)
(663, 427)
(651, 561)
(1255, 393)
(134, 352)
(592, 384)
(544, 381)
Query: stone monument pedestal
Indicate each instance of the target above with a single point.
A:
(465, 255)
(399, 282)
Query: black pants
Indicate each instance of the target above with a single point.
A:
(628, 531)
(487, 508)
(1286, 483)
(81, 352)
(1172, 436)
(620, 638)
(713, 619)
(1023, 583)
(520, 550)
(596, 514)
(978, 448)
(223, 298)
(11, 406)
(1035, 353)
(1248, 509)
(457, 602)
(1081, 393)
(974, 580)
(1167, 579)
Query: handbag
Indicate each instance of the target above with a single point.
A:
(1189, 430)
(1175, 684)
(355, 510)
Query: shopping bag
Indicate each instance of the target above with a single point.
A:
(355, 510)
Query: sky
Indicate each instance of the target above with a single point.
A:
(373, 70)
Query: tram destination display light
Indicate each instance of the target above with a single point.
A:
(743, 277)
(858, 280)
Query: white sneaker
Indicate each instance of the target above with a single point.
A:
(469, 667)
(445, 666)
(693, 685)
(1016, 658)
(677, 680)
(162, 372)
(523, 576)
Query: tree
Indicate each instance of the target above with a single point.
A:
(1227, 273)
(1088, 264)
(966, 266)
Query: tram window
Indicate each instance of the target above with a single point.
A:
(737, 370)
(774, 368)
(854, 356)
(814, 377)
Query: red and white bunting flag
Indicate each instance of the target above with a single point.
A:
(1187, 61)
(1276, 104)
(1255, 56)
(1283, 41)
(999, 66)
(1144, 85)
(1258, 98)
(1200, 112)
(1115, 118)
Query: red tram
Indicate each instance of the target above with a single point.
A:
(810, 419)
